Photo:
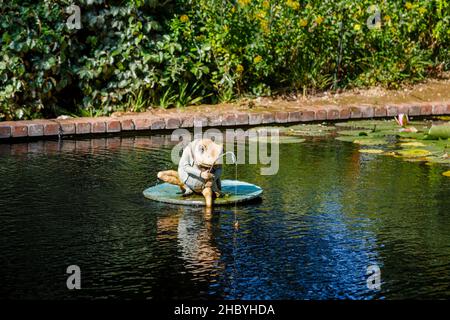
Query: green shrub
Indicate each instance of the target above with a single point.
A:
(133, 54)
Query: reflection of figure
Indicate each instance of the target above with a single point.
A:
(197, 170)
(195, 238)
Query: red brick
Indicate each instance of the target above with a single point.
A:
(367, 111)
(281, 116)
(67, 126)
(355, 113)
(439, 108)
(172, 123)
(308, 115)
(158, 124)
(294, 116)
(5, 131)
(35, 129)
(344, 113)
(141, 123)
(391, 111)
(402, 109)
(332, 114)
(51, 128)
(426, 110)
(19, 129)
(380, 112)
(229, 119)
(414, 110)
(268, 117)
(200, 121)
(321, 114)
(214, 120)
(187, 121)
(98, 126)
(113, 126)
(242, 119)
(254, 118)
(82, 127)
(126, 124)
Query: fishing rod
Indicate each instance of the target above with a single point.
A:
(221, 156)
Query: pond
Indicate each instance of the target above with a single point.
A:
(327, 215)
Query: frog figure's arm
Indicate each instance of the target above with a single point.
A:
(187, 164)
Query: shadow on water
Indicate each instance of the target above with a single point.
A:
(328, 214)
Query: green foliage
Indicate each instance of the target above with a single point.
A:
(129, 55)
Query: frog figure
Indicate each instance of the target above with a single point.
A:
(199, 170)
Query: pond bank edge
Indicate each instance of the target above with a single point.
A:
(188, 118)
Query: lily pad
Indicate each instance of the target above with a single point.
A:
(414, 153)
(369, 124)
(412, 144)
(310, 130)
(271, 128)
(412, 135)
(237, 191)
(371, 151)
(440, 131)
(380, 124)
(415, 146)
(355, 133)
(443, 118)
(280, 140)
(346, 138)
(370, 142)
(438, 160)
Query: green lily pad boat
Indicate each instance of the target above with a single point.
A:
(234, 192)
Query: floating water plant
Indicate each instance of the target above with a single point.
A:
(420, 144)
(311, 130)
(440, 131)
(413, 144)
(371, 151)
(370, 142)
(276, 140)
(414, 153)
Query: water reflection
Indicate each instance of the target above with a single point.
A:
(193, 231)
(328, 214)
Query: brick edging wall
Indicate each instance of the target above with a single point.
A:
(170, 120)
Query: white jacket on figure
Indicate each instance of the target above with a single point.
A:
(192, 162)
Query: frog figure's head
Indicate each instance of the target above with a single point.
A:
(206, 152)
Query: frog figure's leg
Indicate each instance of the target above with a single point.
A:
(208, 193)
(171, 176)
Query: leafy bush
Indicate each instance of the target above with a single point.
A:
(132, 54)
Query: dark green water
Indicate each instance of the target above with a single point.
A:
(328, 214)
